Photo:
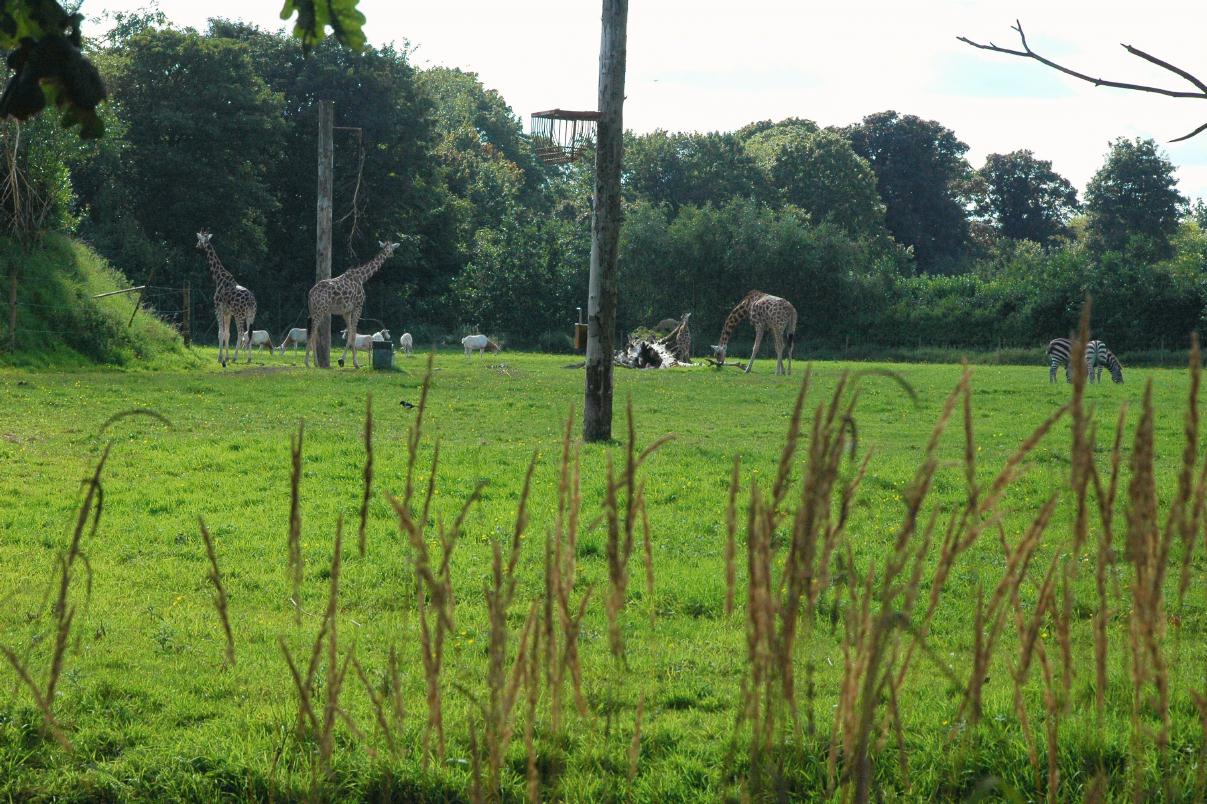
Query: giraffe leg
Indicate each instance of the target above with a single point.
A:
(238, 336)
(227, 321)
(779, 350)
(758, 340)
(351, 339)
(310, 330)
(791, 349)
(220, 339)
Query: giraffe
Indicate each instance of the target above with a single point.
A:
(344, 296)
(231, 300)
(765, 311)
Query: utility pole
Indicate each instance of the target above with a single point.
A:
(605, 223)
(322, 270)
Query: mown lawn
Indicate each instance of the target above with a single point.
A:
(152, 712)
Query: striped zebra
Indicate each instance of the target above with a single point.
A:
(1098, 357)
(1058, 352)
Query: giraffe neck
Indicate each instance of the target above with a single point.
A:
(222, 277)
(362, 272)
(736, 315)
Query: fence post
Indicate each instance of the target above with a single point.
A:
(188, 318)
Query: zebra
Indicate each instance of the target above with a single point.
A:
(1097, 357)
(1058, 352)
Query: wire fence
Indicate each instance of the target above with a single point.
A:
(196, 322)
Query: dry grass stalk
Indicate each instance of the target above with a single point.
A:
(1149, 545)
(773, 605)
(40, 700)
(621, 523)
(985, 639)
(434, 600)
(295, 521)
(321, 726)
(62, 610)
(1104, 563)
(220, 601)
(502, 686)
(561, 624)
(378, 700)
(368, 475)
(532, 683)
(1080, 465)
(1030, 631)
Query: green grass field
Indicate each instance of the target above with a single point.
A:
(152, 712)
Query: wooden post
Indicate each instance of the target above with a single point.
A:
(322, 269)
(605, 223)
(188, 316)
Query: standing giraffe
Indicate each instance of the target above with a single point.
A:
(231, 300)
(765, 311)
(344, 296)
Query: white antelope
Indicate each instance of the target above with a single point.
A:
(295, 337)
(481, 343)
(259, 337)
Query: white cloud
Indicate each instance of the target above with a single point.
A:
(708, 65)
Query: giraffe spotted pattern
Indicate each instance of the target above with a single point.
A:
(765, 312)
(231, 301)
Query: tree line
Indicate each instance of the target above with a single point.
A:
(880, 232)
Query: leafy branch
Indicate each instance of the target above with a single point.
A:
(42, 41)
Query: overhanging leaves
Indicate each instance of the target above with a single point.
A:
(315, 16)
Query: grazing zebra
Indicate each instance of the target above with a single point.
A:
(1058, 351)
(1097, 357)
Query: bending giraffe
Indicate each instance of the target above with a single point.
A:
(343, 296)
(766, 312)
(231, 300)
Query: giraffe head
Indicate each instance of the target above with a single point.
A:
(386, 247)
(203, 238)
(718, 353)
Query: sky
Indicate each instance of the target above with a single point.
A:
(707, 65)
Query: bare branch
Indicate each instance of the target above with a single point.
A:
(1135, 51)
(1197, 131)
(1028, 53)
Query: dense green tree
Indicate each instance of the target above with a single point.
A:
(922, 177)
(43, 43)
(470, 119)
(1134, 194)
(820, 173)
(689, 168)
(1024, 198)
(183, 166)
(523, 281)
(387, 183)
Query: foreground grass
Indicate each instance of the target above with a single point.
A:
(153, 713)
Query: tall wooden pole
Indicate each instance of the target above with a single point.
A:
(605, 223)
(322, 270)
